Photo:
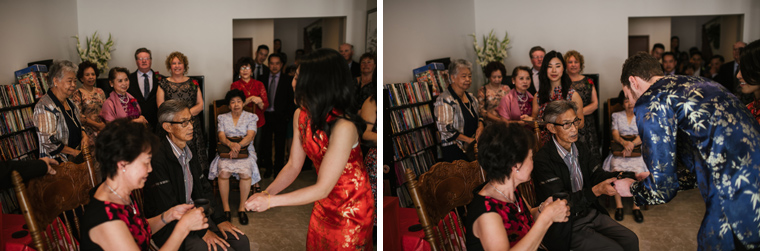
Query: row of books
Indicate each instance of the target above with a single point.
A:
(16, 95)
(410, 118)
(434, 75)
(36, 77)
(419, 163)
(404, 197)
(411, 143)
(17, 145)
(8, 199)
(408, 93)
(16, 120)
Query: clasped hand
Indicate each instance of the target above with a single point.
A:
(258, 202)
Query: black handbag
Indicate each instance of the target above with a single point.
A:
(224, 150)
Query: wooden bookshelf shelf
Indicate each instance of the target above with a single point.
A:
(412, 154)
(392, 108)
(411, 130)
(17, 107)
(15, 133)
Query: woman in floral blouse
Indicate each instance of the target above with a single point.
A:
(489, 96)
(89, 99)
(121, 104)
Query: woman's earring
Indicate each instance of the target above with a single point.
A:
(123, 170)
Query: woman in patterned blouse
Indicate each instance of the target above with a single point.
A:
(498, 218)
(490, 95)
(89, 99)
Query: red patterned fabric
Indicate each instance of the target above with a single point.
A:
(754, 109)
(138, 226)
(253, 88)
(343, 220)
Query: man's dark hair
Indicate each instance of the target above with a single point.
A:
(138, 51)
(669, 54)
(697, 53)
(263, 46)
(534, 49)
(675, 37)
(641, 65)
(276, 55)
(658, 45)
(719, 57)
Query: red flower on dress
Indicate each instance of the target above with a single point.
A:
(591, 81)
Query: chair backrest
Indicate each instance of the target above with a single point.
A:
(440, 190)
(44, 200)
(613, 105)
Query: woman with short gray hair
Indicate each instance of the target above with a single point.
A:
(56, 118)
(456, 111)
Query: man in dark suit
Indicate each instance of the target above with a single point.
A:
(536, 59)
(727, 73)
(564, 165)
(259, 68)
(177, 178)
(278, 115)
(143, 84)
(347, 51)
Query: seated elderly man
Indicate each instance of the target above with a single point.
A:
(563, 165)
(177, 178)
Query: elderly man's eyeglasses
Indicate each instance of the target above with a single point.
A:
(566, 126)
(143, 59)
(183, 123)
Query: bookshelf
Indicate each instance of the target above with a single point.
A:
(18, 136)
(413, 142)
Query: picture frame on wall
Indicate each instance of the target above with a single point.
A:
(371, 31)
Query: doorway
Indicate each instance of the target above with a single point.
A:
(241, 47)
(637, 44)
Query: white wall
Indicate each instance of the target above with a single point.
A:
(417, 31)
(200, 29)
(261, 30)
(35, 30)
(596, 28)
(657, 28)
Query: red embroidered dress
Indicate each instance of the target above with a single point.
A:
(253, 88)
(98, 212)
(516, 222)
(343, 220)
(754, 109)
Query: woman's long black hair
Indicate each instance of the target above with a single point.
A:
(324, 83)
(545, 85)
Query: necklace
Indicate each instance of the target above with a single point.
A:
(123, 98)
(125, 202)
(505, 197)
(522, 97)
(70, 113)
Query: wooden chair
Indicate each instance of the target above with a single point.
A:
(221, 108)
(45, 200)
(440, 190)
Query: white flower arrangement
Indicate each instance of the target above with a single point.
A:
(492, 50)
(97, 52)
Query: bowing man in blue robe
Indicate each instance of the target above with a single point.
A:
(721, 146)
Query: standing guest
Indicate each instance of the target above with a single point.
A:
(456, 112)
(669, 63)
(144, 85)
(183, 88)
(326, 128)
(369, 137)
(368, 78)
(563, 165)
(278, 115)
(537, 54)
(728, 71)
(498, 217)
(277, 48)
(517, 105)
(584, 86)
(698, 62)
(347, 51)
(243, 124)
(259, 68)
(490, 95)
(254, 90)
(657, 51)
(178, 179)
(750, 82)
(555, 85)
(57, 119)
(715, 62)
(89, 100)
(112, 222)
(722, 150)
(120, 103)
(624, 124)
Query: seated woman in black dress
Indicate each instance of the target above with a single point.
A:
(111, 220)
(498, 217)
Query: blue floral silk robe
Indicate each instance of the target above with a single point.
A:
(718, 140)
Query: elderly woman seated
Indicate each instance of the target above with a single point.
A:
(57, 118)
(111, 220)
(498, 217)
